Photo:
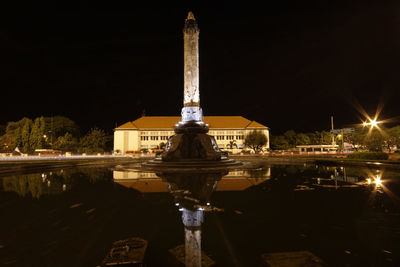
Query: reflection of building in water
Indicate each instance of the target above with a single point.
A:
(149, 182)
(134, 175)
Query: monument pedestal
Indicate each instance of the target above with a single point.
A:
(191, 141)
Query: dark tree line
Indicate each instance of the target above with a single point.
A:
(291, 139)
(56, 132)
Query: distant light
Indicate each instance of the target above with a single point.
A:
(176, 204)
(369, 181)
(208, 203)
(181, 209)
(365, 124)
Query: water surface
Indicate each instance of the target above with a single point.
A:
(71, 217)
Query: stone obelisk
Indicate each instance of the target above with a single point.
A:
(191, 141)
(191, 110)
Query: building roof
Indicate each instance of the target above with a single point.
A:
(168, 122)
(255, 124)
(128, 125)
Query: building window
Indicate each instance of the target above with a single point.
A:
(144, 138)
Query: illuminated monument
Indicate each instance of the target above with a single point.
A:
(191, 141)
(191, 110)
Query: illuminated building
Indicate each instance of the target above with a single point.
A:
(149, 132)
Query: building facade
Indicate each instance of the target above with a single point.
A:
(148, 132)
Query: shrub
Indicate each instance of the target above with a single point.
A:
(369, 155)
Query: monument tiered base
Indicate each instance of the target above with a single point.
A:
(191, 148)
(191, 141)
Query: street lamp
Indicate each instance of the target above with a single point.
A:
(372, 123)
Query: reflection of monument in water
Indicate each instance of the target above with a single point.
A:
(192, 195)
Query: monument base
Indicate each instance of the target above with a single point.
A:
(191, 141)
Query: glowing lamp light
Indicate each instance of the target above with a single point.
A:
(369, 181)
(378, 181)
(372, 123)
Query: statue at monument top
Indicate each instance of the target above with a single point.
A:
(190, 24)
(190, 16)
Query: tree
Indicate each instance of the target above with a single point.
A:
(232, 144)
(36, 138)
(255, 140)
(12, 137)
(302, 139)
(279, 142)
(66, 143)
(58, 126)
(290, 137)
(326, 138)
(357, 139)
(393, 137)
(94, 142)
(25, 136)
(374, 141)
(17, 137)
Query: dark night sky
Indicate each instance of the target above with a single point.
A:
(289, 65)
